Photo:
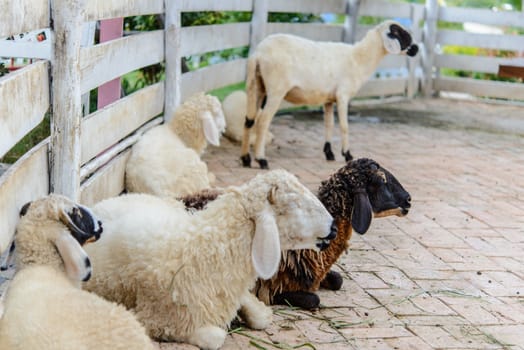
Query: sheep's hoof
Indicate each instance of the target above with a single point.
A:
(246, 160)
(304, 300)
(328, 152)
(332, 281)
(347, 155)
(263, 163)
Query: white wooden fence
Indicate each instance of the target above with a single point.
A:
(84, 158)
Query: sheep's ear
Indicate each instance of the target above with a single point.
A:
(265, 251)
(210, 128)
(362, 213)
(391, 43)
(76, 261)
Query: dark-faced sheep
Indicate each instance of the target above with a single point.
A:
(301, 71)
(358, 191)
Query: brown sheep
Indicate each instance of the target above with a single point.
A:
(353, 195)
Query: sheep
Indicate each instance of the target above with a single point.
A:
(186, 274)
(302, 71)
(166, 159)
(234, 107)
(352, 195)
(44, 306)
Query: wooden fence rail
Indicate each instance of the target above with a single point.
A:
(85, 156)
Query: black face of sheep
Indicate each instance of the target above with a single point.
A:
(404, 38)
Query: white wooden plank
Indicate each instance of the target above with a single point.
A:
(483, 64)
(383, 87)
(173, 58)
(313, 31)
(214, 5)
(104, 62)
(489, 41)
(107, 182)
(494, 89)
(105, 9)
(307, 6)
(25, 99)
(386, 9)
(20, 16)
(10, 48)
(26, 180)
(213, 77)
(105, 127)
(258, 23)
(483, 16)
(66, 98)
(200, 39)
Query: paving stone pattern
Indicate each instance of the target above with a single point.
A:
(450, 275)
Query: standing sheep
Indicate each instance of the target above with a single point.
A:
(302, 71)
(166, 160)
(186, 274)
(44, 307)
(352, 195)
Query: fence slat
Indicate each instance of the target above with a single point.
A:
(214, 5)
(106, 9)
(213, 77)
(104, 62)
(481, 88)
(384, 9)
(483, 16)
(200, 39)
(105, 127)
(19, 16)
(10, 48)
(26, 180)
(475, 63)
(489, 41)
(307, 6)
(313, 31)
(107, 182)
(26, 93)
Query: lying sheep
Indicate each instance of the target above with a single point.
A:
(166, 159)
(187, 274)
(302, 71)
(234, 107)
(352, 195)
(44, 308)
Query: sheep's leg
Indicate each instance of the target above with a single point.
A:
(332, 281)
(208, 337)
(245, 157)
(329, 121)
(256, 314)
(264, 117)
(304, 300)
(342, 107)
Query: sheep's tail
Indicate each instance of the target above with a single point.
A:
(254, 87)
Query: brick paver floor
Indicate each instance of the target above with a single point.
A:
(450, 275)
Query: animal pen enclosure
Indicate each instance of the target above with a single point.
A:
(84, 158)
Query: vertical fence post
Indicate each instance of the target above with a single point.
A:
(258, 23)
(430, 39)
(68, 17)
(350, 24)
(173, 59)
(109, 92)
(417, 15)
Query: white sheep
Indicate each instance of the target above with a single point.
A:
(301, 71)
(186, 274)
(166, 159)
(234, 106)
(44, 306)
